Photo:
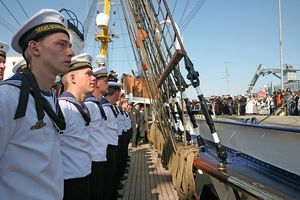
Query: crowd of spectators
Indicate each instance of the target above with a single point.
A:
(280, 102)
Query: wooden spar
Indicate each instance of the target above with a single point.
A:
(177, 56)
(210, 168)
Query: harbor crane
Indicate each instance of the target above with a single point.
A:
(289, 75)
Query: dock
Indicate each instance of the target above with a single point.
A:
(285, 121)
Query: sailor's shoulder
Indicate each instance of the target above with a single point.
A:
(66, 105)
(93, 108)
(9, 92)
(90, 104)
(9, 83)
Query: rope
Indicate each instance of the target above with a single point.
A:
(167, 153)
(182, 172)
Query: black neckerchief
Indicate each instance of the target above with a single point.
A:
(29, 86)
(80, 107)
(93, 99)
(120, 109)
(105, 102)
(116, 109)
(126, 113)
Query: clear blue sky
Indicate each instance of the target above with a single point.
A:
(244, 33)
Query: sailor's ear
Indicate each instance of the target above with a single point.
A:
(72, 78)
(33, 46)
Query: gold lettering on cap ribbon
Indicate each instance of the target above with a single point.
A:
(81, 64)
(48, 27)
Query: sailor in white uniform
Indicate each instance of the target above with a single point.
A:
(75, 145)
(19, 66)
(124, 123)
(57, 88)
(30, 157)
(112, 129)
(98, 134)
(127, 132)
(3, 49)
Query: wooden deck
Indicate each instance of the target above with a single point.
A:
(147, 179)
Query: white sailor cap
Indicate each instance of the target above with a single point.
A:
(81, 61)
(3, 49)
(113, 81)
(100, 72)
(44, 22)
(57, 79)
(19, 66)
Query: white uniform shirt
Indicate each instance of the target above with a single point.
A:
(75, 145)
(111, 125)
(98, 131)
(127, 121)
(30, 160)
(120, 121)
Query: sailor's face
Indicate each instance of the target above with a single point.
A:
(85, 80)
(2, 67)
(56, 52)
(117, 95)
(102, 84)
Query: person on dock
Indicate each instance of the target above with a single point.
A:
(243, 103)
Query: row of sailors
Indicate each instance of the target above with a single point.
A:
(73, 147)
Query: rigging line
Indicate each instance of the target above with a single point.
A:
(160, 52)
(123, 38)
(122, 60)
(193, 15)
(5, 26)
(142, 53)
(8, 24)
(10, 13)
(166, 52)
(123, 47)
(23, 9)
(191, 12)
(88, 19)
(159, 2)
(136, 50)
(152, 57)
(184, 10)
(130, 32)
(174, 7)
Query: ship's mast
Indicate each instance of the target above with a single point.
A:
(102, 22)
